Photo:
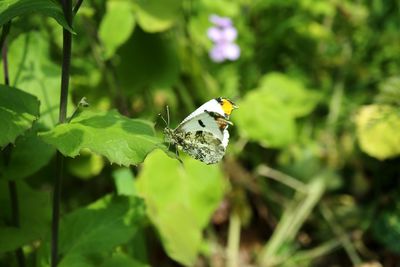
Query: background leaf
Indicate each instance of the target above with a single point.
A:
(181, 212)
(377, 131)
(18, 111)
(154, 16)
(121, 140)
(264, 119)
(123, 261)
(86, 166)
(92, 230)
(34, 207)
(267, 114)
(10, 9)
(119, 16)
(32, 71)
(292, 93)
(28, 156)
(158, 61)
(386, 227)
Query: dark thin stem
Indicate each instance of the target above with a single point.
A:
(12, 186)
(4, 33)
(56, 209)
(3, 45)
(65, 72)
(76, 7)
(5, 63)
(66, 63)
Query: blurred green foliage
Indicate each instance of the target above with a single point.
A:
(318, 89)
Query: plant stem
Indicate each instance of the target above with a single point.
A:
(66, 63)
(232, 252)
(65, 72)
(12, 186)
(56, 209)
(342, 236)
(3, 45)
(77, 6)
(285, 179)
(291, 221)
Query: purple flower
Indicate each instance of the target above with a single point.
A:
(223, 34)
(217, 54)
(231, 51)
(220, 21)
(223, 51)
(217, 35)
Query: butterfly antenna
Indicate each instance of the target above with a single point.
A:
(167, 115)
(159, 114)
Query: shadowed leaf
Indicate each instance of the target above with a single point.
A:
(18, 111)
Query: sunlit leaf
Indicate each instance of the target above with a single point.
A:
(18, 111)
(10, 9)
(264, 119)
(180, 201)
(298, 100)
(156, 16)
(121, 140)
(119, 16)
(378, 128)
(34, 215)
(124, 182)
(267, 114)
(86, 165)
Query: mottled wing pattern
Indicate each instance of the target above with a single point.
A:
(200, 145)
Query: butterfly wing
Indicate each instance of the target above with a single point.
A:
(207, 121)
(212, 105)
(204, 137)
(203, 146)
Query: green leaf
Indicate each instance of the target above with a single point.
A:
(297, 99)
(92, 230)
(378, 128)
(86, 166)
(28, 156)
(157, 16)
(122, 261)
(34, 212)
(267, 114)
(119, 16)
(121, 140)
(32, 71)
(265, 119)
(10, 9)
(18, 111)
(386, 228)
(389, 91)
(124, 182)
(182, 211)
(156, 54)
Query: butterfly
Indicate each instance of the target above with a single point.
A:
(204, 133)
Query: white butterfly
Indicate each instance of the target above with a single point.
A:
(203, 134)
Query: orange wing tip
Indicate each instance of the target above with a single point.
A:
(227, 106)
